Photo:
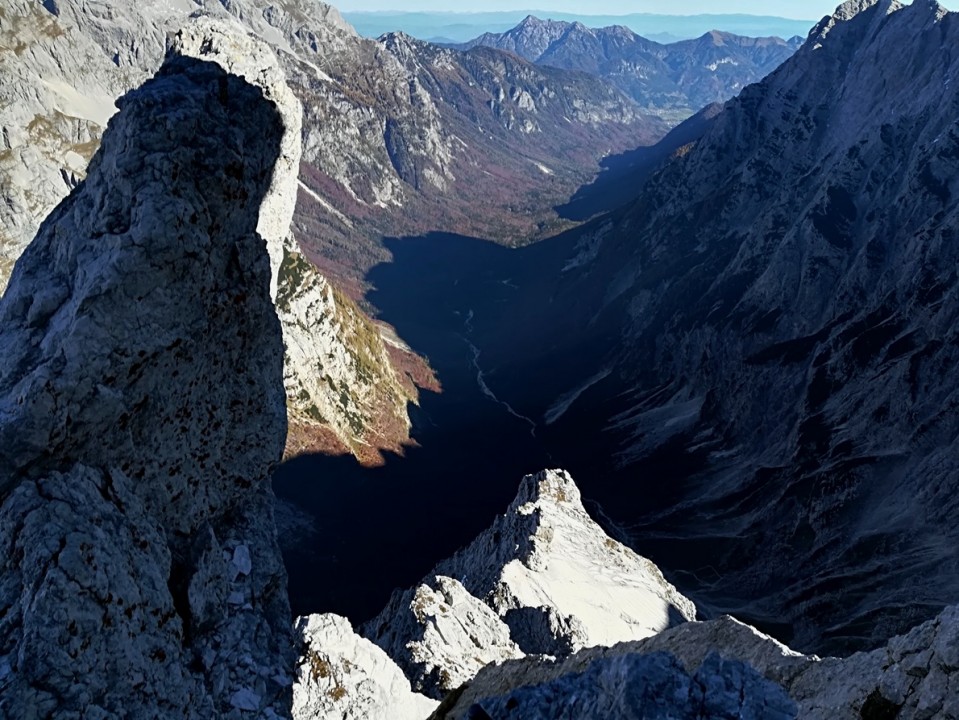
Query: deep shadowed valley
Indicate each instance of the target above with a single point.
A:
(446, 295)
(527, 401)
(470, 450)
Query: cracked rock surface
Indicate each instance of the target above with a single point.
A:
(343, 676)
(141, 413)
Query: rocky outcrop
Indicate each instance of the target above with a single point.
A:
(738, 672)
(142, 411)
(634, 686)
(544, 579)
(66, 62)
(334, 358)
(343, 676)
(56, 98)
(673, 81)
(335, 363)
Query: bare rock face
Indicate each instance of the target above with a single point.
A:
(56, 98)
(643, 687)
(777, 312)
(738, 672)
(544, 579)
(342, 676)
(64, 63)
(141, 412)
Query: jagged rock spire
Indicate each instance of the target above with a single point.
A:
(142, 410)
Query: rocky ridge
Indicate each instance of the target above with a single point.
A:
(485, 665)
(141, 575)
(673, 80)
(738, 671)
(543, 579)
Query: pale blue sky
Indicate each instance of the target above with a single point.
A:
(797, 9)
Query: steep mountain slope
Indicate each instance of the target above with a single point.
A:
(142, 410)
(399, 137)
(343, 676)
(407, 137)
(672, 80)
(774, 319)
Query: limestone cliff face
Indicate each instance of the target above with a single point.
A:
(56, 98)
(141, 413)
(334, 358)
(65, 62)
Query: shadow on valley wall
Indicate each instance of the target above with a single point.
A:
(468, 305)
(622, 176)
(381, 528)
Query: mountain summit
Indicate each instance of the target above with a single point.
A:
(673, 80)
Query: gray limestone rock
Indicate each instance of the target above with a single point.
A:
(543, 578)
(646, 687)
(739, 672)
(342, 676)
(141, 412)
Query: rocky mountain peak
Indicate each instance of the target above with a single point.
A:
(142, 412)
(240, 54)
(849, 10)
(545, 491)
(716, 37)
(543, 579)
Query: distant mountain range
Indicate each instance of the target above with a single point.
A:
(672, 81)
(459, 27)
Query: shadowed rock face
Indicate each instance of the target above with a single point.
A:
(738, 673)
(779, 310)
(141, 413)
